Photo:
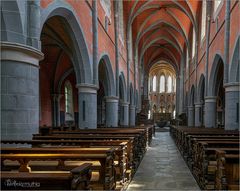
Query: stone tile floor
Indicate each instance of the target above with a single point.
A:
(163, 168)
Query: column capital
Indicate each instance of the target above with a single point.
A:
(112, 99)
(210, 99)
(190, 107)
(123, 103)
(132, 106)
(87, 88)
(232, 87)
(20, 53)
(198, 104)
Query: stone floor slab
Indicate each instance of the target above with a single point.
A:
(163, 168)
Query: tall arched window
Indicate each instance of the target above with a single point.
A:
(203, 25)
(154, 83)
(193, 43)
(68, 100)
(162, 84)
(217, 4)
(169, 84)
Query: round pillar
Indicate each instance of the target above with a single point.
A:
(198, 107)
(99, 115)
(87, 106)
(132, 115)
(19, 90)
(56, 109)
(124, 113)
(191, 116)
(232, 115)
(210, 111)
(111, 111)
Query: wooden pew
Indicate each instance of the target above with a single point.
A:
(181, 135)
(192, 144)
(137, 152)
(125, 155)
(227, 174)
(104, 156)
(149, 131)
(76, 179)
(140, 134)
(119, 149)
(198, 147)
(206, 166)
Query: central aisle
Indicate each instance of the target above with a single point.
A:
(163, 168)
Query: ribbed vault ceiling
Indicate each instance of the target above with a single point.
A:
(161, 29)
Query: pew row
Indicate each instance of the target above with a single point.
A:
(66, 160)
(199, 146)
(76, 179)
(138, 148)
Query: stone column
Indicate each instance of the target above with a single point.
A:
(87, 106)
(128, 63)
(208, 30)
(116, 30)
(95, 41)
(111, 111)
(146, 87)
(34, 19)
(132, 115)
(232, 113)
(178, 96)
(124, 120)
(56, 109)
(54, 112)
(19, 90)
(226, 41)
(103, 113)
(180, 87)
(198, 107)
(210, 111)
(191, 116)
(99, 114)
(203, 115)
